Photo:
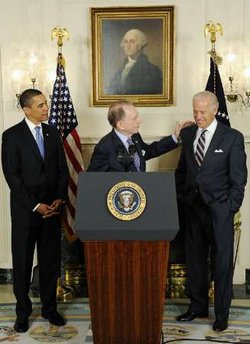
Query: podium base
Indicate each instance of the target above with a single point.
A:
(126, 283)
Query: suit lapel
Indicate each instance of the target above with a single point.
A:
(216, 141)
(117, 145)
(46, 139)
(190, 146)
(116, 140)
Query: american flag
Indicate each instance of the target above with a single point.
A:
(214, 85)
(63, 116)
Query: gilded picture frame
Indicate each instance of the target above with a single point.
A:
(133, 55)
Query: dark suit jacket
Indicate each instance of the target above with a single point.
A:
(31, 179)
(143, 78)
(105, 156)
(223, 174)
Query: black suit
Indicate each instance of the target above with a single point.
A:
(33, 180)
(211, 195)
(107, 152)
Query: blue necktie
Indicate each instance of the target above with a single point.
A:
(39, 140)
(136, 155)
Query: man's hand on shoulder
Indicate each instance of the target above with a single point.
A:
(180, 126)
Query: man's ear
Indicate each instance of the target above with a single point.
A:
(119, 125)
(26, 110)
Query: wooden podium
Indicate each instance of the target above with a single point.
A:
(126, 261)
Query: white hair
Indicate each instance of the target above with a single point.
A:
(207, 94)
(138, 34)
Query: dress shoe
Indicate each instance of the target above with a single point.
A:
(21, 324)
(189, 316)
(220, 325)
(54, 318)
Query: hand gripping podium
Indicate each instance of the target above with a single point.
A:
(126, 260)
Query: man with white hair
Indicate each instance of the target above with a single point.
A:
(210, 180)
(137, 75)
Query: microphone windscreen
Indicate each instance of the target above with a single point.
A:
(131, 150)
(120, 153)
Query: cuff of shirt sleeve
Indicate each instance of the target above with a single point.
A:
(175, 139)
(34, 209)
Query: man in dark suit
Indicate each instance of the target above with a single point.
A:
(137, 74)
(36, 171)
(210, 178)
(123, 148)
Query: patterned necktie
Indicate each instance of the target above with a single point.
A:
(136, 155)
(39, 140)
(200, 148)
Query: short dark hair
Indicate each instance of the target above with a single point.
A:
(25, 99)
(116, 111)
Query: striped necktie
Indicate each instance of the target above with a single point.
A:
(200, 148)
(136, 155)
(39, 140)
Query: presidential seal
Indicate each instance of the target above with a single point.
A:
(126, 201)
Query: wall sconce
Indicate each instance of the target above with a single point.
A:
(31, 73)
(16, 77)
(33, 69)
(232, 95)
(51, 80)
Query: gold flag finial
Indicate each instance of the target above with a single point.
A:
(213, 28)
(60, 33)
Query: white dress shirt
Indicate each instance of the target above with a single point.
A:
(32, 127)
(208, 135)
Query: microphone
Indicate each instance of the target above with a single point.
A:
(131, 151)
(121, 153)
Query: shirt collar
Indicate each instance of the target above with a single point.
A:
(211, 128)
(122, 137)
(130, 60)
(32, 125)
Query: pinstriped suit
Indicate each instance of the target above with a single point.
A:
(211, 195)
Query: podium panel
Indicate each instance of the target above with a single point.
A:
(159, 221)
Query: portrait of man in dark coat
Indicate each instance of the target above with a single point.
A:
(136, 75)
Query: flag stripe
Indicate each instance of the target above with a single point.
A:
(72, 186)
(71, 156)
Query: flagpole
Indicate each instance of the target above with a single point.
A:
(63, 292)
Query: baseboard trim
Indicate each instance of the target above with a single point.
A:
(6, 276)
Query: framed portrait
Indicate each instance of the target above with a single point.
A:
(133, 55)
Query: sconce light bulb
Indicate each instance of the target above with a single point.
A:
(231, 57)
(17, 74)
(51, 75)
(32, 59)
(247, 72)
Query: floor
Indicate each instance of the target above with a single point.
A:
(81, 330)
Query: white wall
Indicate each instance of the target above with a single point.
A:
(25, 27)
